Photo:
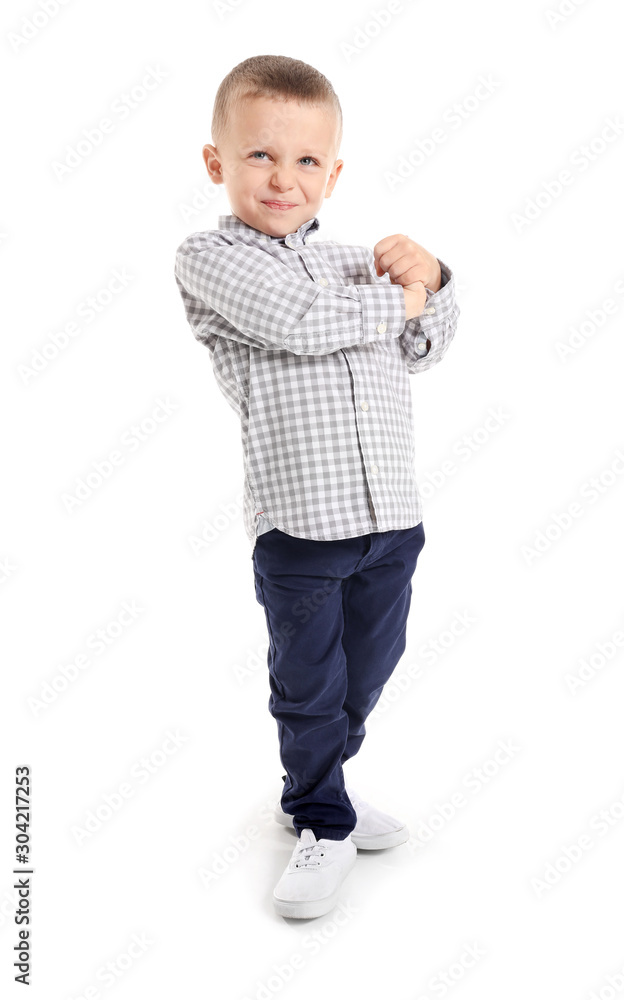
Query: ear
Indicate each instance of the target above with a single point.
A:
(333, 177)
(213, 163)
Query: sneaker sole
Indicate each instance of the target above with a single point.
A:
(363, 841)
(305, 908)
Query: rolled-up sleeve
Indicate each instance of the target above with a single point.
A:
(426, 338)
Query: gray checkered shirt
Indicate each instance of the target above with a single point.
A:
(312, 351)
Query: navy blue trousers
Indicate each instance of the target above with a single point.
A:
(336, 616)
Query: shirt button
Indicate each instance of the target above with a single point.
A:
(429, 310)
(364, 405)
(374, 470)
(322, 281)
(381, 328)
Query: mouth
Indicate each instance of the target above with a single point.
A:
(280, 206)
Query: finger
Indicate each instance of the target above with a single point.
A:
(388, 250)
(388, 242)
(386, 263)
(404, 270)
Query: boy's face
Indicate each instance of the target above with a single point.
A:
(276, 151)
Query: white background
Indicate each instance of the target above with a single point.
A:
(142, 871)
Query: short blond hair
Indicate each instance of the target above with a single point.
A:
(273, 77)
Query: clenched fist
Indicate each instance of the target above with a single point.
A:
(407, 262)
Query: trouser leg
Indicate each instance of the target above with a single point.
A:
(299, 584)
(376, 603)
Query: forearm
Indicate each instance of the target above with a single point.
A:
(261, 302)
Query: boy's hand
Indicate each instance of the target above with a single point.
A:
(407, 262)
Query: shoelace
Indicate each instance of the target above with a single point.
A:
(308, 857)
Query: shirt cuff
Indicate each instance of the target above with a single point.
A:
(383, 311)
(443, 299)
(437, 322)
(422, 345)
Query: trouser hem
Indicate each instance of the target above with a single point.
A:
(326, 832)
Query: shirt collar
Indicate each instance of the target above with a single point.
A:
(292, 239)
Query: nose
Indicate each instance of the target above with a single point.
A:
(281, 178)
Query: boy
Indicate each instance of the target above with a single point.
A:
(312, 348)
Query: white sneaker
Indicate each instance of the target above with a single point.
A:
(310, 884)
(374, 829)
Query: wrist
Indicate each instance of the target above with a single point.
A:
(436, 283)
(415, 299)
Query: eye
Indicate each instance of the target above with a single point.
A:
(263, 153)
